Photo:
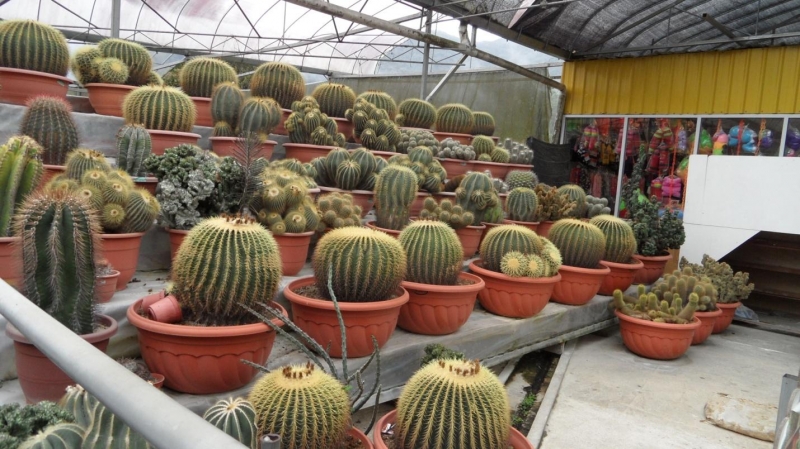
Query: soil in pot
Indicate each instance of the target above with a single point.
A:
(707, 321)
(513, 297)
(725, 320)
(439, 309)
(294, 251)
(470, 237)
(122, 252)
(578, 285)
(659, 341)
(652, 270)
(620, 277)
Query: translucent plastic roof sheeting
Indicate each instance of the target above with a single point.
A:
(265, 30)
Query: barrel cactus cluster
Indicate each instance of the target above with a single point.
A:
(620, 241)
(416, 113)
(454, 118)
(522, 178)
(433, 253)
(484, 124)
(395, 190)
(200, 75)
(518, 153)
(454, 216)
(412, 138)
(517, 251)
(48, 121)
(334, 99)
(452, 149)
(348, 171)
(554, 205)
(280, 81)
(581, 244)
(476, 194)
(648, 307)
(430, 173)
(282, 203)
(596, 206)
(373, 126)
(32, 45)
(308, 125)
(133, 147)
(336, 210)
(20, 172)
(380, 100)
(161, 108)
(226, 101)
(522, 205)
(305, 170)
(113, 61)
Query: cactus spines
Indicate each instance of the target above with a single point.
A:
(112, 217)
(140, 211)
(334, 99)
(280, 81)
(464, 397)
(514, 264)
(648, 307)
(245, 270)
(416, 113)
(20, 172)
(484, 123)
(576, 194)
(476, 194)
(483, 145)
(57, 436)
(368, 265)
(334, 209)
(111, 71)
(107, 430)
(259, 115)
(538, 267)
(381, 100)
(237, 418)
(522, 204)
(48, 121)
(620, 241)
(31, 45)
(59, 235)
(135, 56)
(348, 175)
(160, 107)
(395, 190)
(82, 160)
(433, 253)
(226, 101)
(306, 406)
(553, 204)
(503, 239)
(454, 118)
(581, 244)
(84, 64)
(521, 178)
(155, 79)
(199, 76)
(500, 156)
(133, 147)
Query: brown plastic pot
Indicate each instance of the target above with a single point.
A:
(513, 297)
(439, 309)
(41, 379)
(105, 286)
(122, 252)
(10, 262)
(544, 228)
(470, 237)
(455, 167)
(203, 107)
(652, 270)
(148, 183)
(106, 99)
(176, 237)
(659, 341)
(725, 320)
(463, 139)
(228, 146)
(498, 170)
(362, 320)
(161, 140)
(363, 198)
(359, 435)
(203, 360)
(417, 205)
(20, 85)
(50, 172)
(516, 439)
(371, 224)
(620, 277)
(280, 129)
(532, 225)
(707, 321)
(294, 251)
(304, 152)
(344, 126)
(578, 285)
(165, 310)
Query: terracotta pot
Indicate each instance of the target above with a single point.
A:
(659, 341)
(371, 224)
(470, 237)
(363, 198)
(203, 360)
(280, 129)
(157, 380)
(707, 321)
(344, 126)
(523, 167)
(513, 297)
(533, 226)
(106, 99)
(10, 262)
(203, 107)
(516, 440)
(148, 183)
(41, 379)
(50, 172)
(161, 140)
(228, 146)
(578, 285)
(463, 139)
(304, 152)
(362, 320)
(122, 252)
(176, 237)
(620, 277)
(20, 85)
(294, 251)
(105, 286)
(439, 309)
(652, 270)
(455, 167)
(489, 227)
(498, 170)
(359, 435)
(165, 310)
(544, 228)
(725, 320)
(416, 206)
(151, 299)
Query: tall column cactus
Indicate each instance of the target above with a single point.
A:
(20, 172)
(416, 113)
(48, 120)
(226, 101)
(334, 99)
(280, 81)
(199, 76)
(581, 244)
(133, 147)
(59, 233)
(476, 194)
(31, 45)
(395, 191)
(433, 253)
(454, 118)
(135, 56)
(160, 107)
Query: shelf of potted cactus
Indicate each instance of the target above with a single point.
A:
(283, 83)
(582, 246)
(48, 121)
(235, 120)
(312, 134)
(167, 113)
(732, 288)
(461, 221)
(395, 191)
(454, 121)
(618, 256)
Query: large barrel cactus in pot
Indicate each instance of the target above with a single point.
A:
(280, 81)
(454, 118)
(48, 120)
(395, 190)
(433, 253)
(334, 99)
(581, 244)
(160, 107)
(503, 239)
(416, 113)
(199, 76)
(133, 55)
(620, 240)
(32, 45)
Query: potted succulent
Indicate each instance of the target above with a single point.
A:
(352, 172)
(416, 114)
(476, 194)
(441, 296)
(373, 128)
(553, 206)
(456, 158)
(458, 219)
(380, 100)
(732, 288)
(484, 125)
(19, 423)
(582, 246)
(60, 262)
(133, 147)
(236, 120)
(453, 391)
(520, 156)
(198, 77)
(283, 83)
(575, 194)
(96, 424)
(334, 101)
(520, 270)
(415, 137)
(523, 207)
(490, 158)
(105, 281)
(20, 171)
(596, 206)
(395, 191)
(682, 283)
(521, 178)
(110, 71)
(311, 133)
(618, 256)
(48, 121)
(430, 174)
(337, 210)
(167, 113)
(656, 330)
(454, 121)
(34, 60)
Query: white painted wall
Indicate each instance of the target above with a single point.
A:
(730, 199)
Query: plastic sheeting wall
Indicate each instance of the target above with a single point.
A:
(520, 106)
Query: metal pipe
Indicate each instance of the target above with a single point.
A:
(162, 421)
(115, 17)
(425, 55)
(722, 28)
(446, 77)
(621, 173)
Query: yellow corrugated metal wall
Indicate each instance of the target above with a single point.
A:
(753, 81)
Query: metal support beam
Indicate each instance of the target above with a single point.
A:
(634, 24)
(722, 28)
(364, 19)
(446, 77)
(426, 55)
(115, 17)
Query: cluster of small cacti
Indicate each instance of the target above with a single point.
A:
(577, 195)
(476, 194)
(334, 99)
(452, 149)
(488, 152)
(159, 107)
(305, 170)
(380, 100)
(237, 418)
(522, 205)
(517, 251)
(518, 153)
(412, 138)
(620, 241)
(553, 205)
(430, 173)
(499, 185)
(226, 102)
(280, 81)
(48, 121)
(522, 178)
(416, 113)
(31, 45)
(516, 264)
(336, 210)
(731, 287)
(200, 75)
(455, 216)
(433, 253)
(307, 124)
(454, 118)
(133, 147)
(259, 116)
(395, 191)
(20, 172)
(348, 171)
(373, 126)
(596, 206)
(648, 307)
(114, 61)
(484, 124)
(282, 203)
(581, 244)
(682, 283)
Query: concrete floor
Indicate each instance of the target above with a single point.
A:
(611, 398)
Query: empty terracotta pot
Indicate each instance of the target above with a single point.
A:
(106, 99)
(203, 107)
(439, 309)
(455, 167)
(161, 140)
(122, 252)
(660, 341)
(578, 285)
(513, 297)
(620, 277)
(165, 310)
(707, 321)
(725, 320)
(294, 251)
(652, 270)
(105, 286)
(544, 228)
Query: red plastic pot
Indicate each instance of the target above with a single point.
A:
(659, 341)
(148, 183)
(463, 139)
(470, 237)
(513, 297)
(439, 309)
(280, 129)
(707, 321)
(304, 152)
(20, 85)
(652, 270)
(176, 237)
(578, 285)
(455, 167)
(392, 232)
(294, 251)
(203, 107)
(725, 320)
(228, 146)
(106, 99)
(620, 277)
(161, 140)
(532, 225)
(10, 262)
(105, 286)
(122, 252)
(544, 228)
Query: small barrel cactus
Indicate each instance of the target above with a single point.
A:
(133, 55)
(20, 172)
(433, 252)
(160, 107)
(454, 216)
(465, 398)
(48, 120)
(648, 307)
(520, 153)
(226, 101)
(367, 265)
(514, 264)
(336, 210)
(280, 81)
(620, 241)
(501, 240)
(200, 75)
(416, 113)
(576, 194)
(373, 126)
(581, 244)
(307, 124)
(483, 145)
(500, 156)
(155, 79)
(522, 178)
(430, 173)
(522, 204)
(84, 64)
(32, 45)
(451, 149)
(282, 204)
(395, 191)
(260, 116)
(334, 99)
(112, 71)
(133, 147)
(484, 124)
(82, 160)
(237, 418)
(57, 436)
(476, 194)
(454, 118)
(381, 100)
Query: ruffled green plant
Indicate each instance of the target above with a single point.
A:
(18, 423)
(730, 287)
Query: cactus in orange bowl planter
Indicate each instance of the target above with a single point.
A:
(582, 246)
(31, 45)
(334, 99)
(199, 76)
(280, 81)
(134, 56)
(455, 119)
(484, 124)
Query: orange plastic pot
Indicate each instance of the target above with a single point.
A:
(176, 237)
(106, 99)
(148, 183)
(105, 286)
(203, 107)
(455, 167)
(707, 321)
(344, 126)
(10, 262)
(652, 270)
(620, 277)
(544, 228)
(725, 320)
(203, 360)
(228, 146)
(304, 152)
(20, 85)
(50, 172)
(122, 252)
(659, 341)
(294, 251)
(280, 129)
(392, 232)
(516, 439)
(41, 379)
(578, 285)
(359, 435)
(417, 205)
(470, 237)
(513, 297)
(362, 320)
(498, 170)
(532, 225)
(439, 309)
(161, 140)
(165, 310)
(463, 139)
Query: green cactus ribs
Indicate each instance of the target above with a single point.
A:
(237, 418)
(581, 244)
(160, 108)
(133, 147)
(20, 172)
(416, 113)
(395, 190)
(48, 120)
(648, 307)
(199, 76)
(454, 118)
(280, 81)
(31, 45)
(433, 252)
(334, 99)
